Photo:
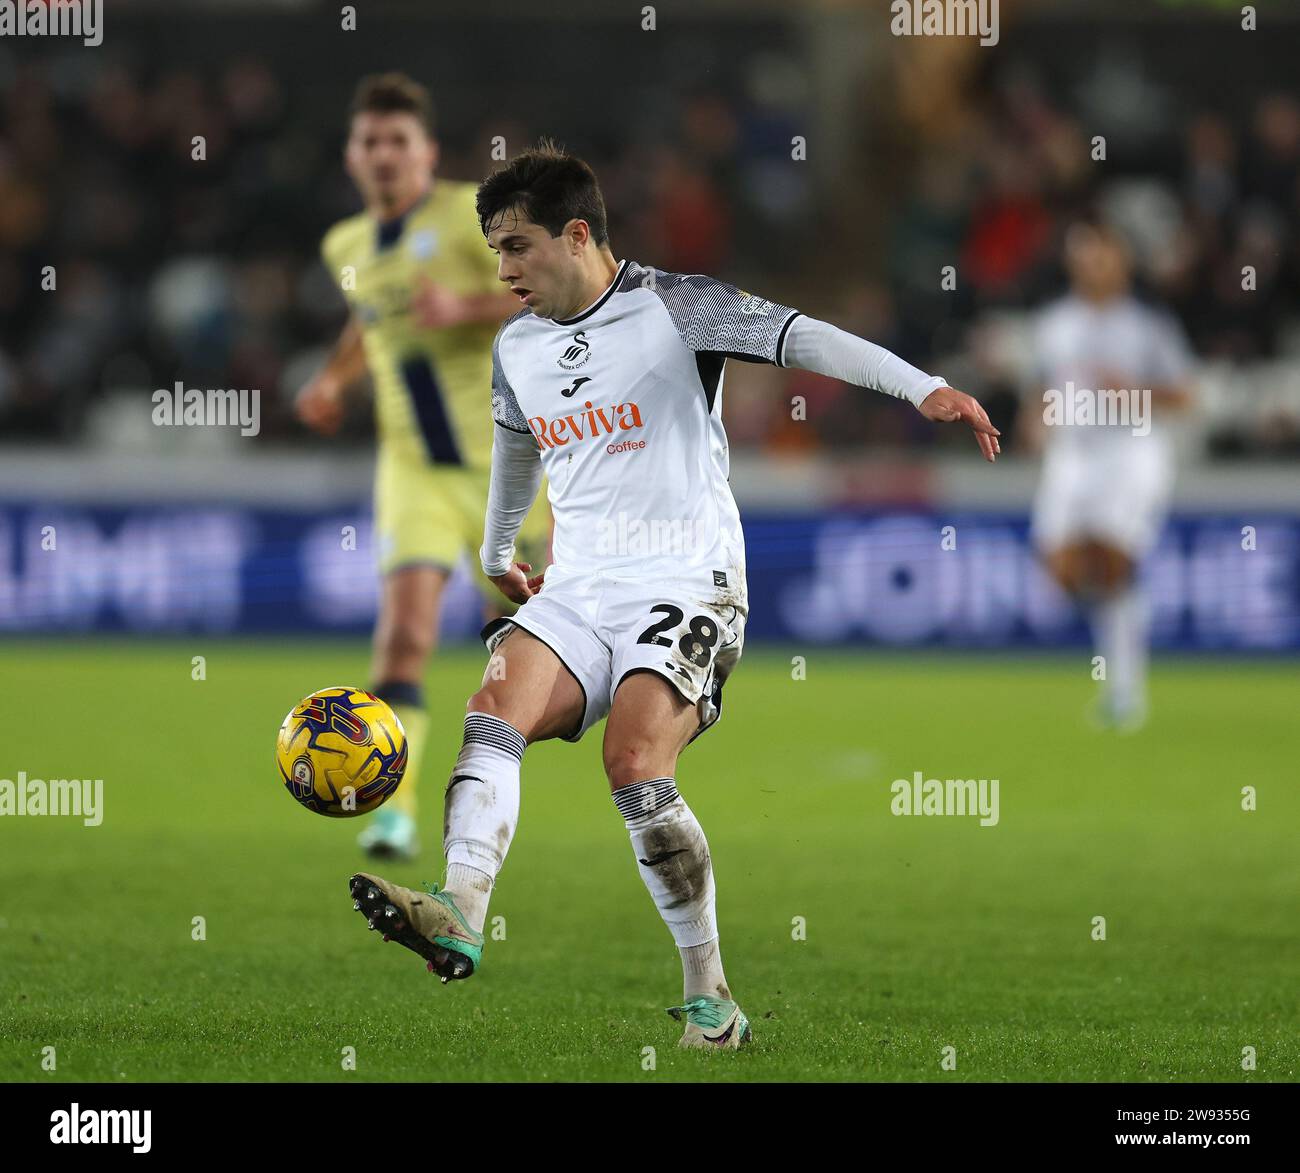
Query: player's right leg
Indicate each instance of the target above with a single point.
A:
(1101, 578)
(1068, 566)
(404, 637)
(416, 536)
(527, 695)
(1119, 616)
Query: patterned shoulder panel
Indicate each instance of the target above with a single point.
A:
(505, 406)
(711, 315)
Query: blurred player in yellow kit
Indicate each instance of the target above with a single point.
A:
(425, 306)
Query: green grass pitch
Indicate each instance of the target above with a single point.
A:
(921, 933)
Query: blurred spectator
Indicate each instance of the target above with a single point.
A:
(181, 211)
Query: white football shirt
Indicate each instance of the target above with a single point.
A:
(1091, 347)
(621, 406)
(624, 404)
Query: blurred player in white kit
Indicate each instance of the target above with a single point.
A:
(1113, 367)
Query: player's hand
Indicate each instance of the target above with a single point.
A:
(947, 405)
(515, 583)
(320, 404)
(436, 306)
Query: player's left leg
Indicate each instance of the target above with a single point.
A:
(649, 725)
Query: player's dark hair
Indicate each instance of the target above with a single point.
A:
(549, 186)
(393, 93)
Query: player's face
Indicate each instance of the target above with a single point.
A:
(542, 270)
(390, 158)
(1098, 265)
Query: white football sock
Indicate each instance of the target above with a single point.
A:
(1119, 623)
(673, 857)
(481, 812)
(472, 889)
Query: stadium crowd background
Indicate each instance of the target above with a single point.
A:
(207, 271)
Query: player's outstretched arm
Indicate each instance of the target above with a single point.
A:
(512, 489)
(814, 345)
(320, 402)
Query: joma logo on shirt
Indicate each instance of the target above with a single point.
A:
(594, 421)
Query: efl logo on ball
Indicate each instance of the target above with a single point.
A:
(341, 752)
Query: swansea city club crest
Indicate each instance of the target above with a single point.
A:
(577, 353)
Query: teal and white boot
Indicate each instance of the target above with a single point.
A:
(428, 923)
(712, 1023)
(390, 835)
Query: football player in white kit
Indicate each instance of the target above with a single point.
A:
(1113, 366)
(609, 380)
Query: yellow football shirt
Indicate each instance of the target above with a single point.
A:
(432, 387)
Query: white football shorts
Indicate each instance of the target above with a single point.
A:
(603, 627)
(1119, 496)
